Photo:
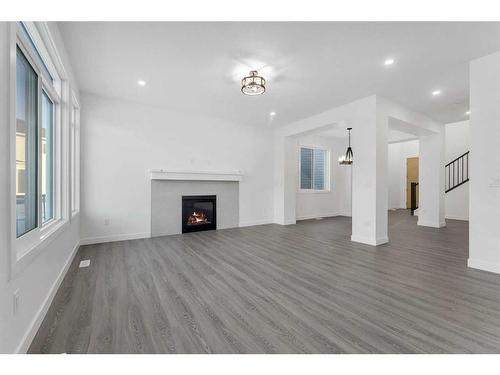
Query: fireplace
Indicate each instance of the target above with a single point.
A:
(199, 212)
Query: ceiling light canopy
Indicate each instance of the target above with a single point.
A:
(253, 84)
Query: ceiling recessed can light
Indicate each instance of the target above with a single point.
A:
(436, 92)
(467, 113)
(272, 113)
(141, 82)
(389, 62)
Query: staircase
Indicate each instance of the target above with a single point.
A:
(456, 172)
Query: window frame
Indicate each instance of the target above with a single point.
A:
(28, 245)
(327, 170)
(57, 183)
(74, 157)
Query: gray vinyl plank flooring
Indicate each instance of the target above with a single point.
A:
(303, 288)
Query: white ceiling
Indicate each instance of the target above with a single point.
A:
(311, 67)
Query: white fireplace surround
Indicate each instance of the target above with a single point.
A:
(191, 183)
(163, 174)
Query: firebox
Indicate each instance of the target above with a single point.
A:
(199, 212)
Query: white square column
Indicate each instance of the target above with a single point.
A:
(285, 179)
(369, 174)
(431, 210)
(484, 167)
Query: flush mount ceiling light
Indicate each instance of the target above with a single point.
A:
(347, 158)
(253, 84)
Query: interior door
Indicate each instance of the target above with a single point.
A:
(411, 176)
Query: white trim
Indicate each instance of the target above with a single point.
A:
(312, 191)
(113, 238)
(287, 222)
(251, 223)
(453, 217)
(21, 261)
(431, 224)
(317, 216)
(370, 241)
(484, 266)
(161, 174)
(38, 319)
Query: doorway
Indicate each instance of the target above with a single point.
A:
(411, 176)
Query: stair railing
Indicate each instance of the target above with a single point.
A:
(456, 172)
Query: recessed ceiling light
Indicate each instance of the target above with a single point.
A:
(272, 114)
(436, 92)
(388, 62)
(141, 82)
(467, 113)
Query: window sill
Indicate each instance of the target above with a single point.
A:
(311, 191)
(47, 236)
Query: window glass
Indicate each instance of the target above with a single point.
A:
(73, 159)
(313, 169)
(47, 134)
(26, 145)
(319, 169)
(306, 158)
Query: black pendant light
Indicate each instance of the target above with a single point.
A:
(347, 158)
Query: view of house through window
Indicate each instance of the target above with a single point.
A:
(47, 158)
(26, 145)
(313, 169)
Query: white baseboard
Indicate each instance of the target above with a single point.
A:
(250, 223)
(309, 217)
(113, 238)
(452, 217)
(484, 266)
(431, 224)
(370, 241)
(37, 321)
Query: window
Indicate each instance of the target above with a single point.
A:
(38, 144)
(314, 169)
(26, 145)
(75, 156)
(47, 135)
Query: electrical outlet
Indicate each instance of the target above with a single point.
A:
(15, 301)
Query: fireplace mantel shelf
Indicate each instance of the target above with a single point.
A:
(162, 174)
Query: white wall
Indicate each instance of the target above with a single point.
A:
(38, 280)
(457, 143)
(398, 153)
(121, 141)
(484, 216)
(337, 200)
